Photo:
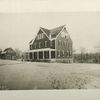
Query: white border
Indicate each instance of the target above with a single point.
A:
(13, 6)
(21, 6)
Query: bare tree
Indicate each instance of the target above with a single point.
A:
(82, 50)
(97, 48)
(18, 53)
(82, 53)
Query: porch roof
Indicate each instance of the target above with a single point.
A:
(37, 50)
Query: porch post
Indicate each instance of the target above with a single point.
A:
(28, 55)
(49, 54)
(37, 55)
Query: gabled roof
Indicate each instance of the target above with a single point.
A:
(46, 31)
(53, 32)
(8, 49)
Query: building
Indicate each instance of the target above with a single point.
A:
(51, 45)
(8, 53)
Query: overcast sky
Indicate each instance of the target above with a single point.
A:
(17, 29)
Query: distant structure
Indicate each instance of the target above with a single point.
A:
(54, 45)
(8, 53)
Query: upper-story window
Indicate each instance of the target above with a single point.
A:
(30, 47)
(45, 43)
(59, 42)
(35, 45)
(64, 43)
(40, 36)
(39, 44)
(70, 45)
(51, 43)
(63, 53)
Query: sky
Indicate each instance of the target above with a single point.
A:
(17, 29)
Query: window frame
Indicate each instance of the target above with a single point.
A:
(35, 45)
(45, 43)
(39, 44)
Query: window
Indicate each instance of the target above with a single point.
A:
(67, 45)
(58, 53)
(67, 53)
(70, 45)
(45, 43)
(63, 53)
(39, 44)
(40, 36)
(70, 53)
(64, 43)
(51, 43)
(59, 42)
(37, 37)
(35, 45)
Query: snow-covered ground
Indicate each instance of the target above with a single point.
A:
(36, 75)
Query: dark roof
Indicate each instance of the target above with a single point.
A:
(7, 49)
(46, 31)
(53, 32)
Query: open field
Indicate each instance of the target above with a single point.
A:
(17, 75)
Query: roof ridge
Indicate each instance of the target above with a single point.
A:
(53, 32)
(58, 27)
(45, 28)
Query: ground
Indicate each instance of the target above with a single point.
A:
(17, 75)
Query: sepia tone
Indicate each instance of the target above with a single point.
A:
(49, 50)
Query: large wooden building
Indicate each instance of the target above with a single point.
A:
(51, 45)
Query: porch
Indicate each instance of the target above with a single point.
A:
(41, 54)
